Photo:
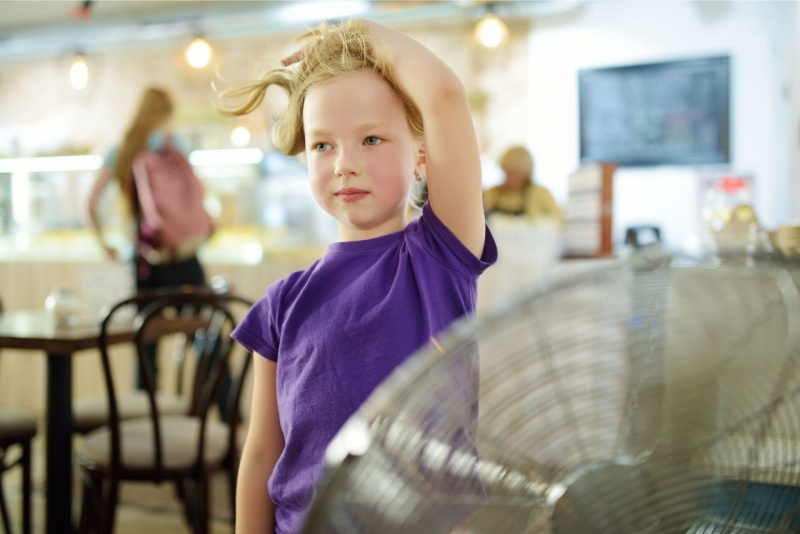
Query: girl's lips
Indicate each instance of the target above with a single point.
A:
(351, 194)
(351, 197)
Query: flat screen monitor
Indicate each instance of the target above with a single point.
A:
(669, 113)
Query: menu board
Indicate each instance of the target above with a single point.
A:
(666, 113)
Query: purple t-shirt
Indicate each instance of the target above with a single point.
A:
(339, 328)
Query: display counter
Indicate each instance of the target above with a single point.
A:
(31, 268)
(250, 259)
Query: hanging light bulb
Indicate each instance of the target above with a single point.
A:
(198, 53)
(240, 136)
(79, 73)
(491, 31)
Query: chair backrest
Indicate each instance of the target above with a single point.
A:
(197, 312)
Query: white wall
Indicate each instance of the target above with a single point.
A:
(793, 59)
(603, 34)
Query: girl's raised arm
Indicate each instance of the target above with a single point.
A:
(451, 154)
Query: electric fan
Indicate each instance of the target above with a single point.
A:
(630, 399)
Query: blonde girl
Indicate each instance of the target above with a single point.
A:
(373, 111)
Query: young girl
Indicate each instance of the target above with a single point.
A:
(324, 338)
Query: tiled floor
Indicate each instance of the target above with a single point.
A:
(144, 507)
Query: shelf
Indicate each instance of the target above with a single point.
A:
(92, 162)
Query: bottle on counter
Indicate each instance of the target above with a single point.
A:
(733, 229)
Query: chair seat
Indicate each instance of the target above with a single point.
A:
(90, 413)
(179, 439)
(16, 426)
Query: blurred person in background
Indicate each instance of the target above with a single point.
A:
(149, 131)
(518, 194)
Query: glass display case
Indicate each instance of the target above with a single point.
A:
(258, 203)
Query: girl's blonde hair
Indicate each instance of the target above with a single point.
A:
(154, 109)
(332, 51)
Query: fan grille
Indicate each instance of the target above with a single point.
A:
(664, 399)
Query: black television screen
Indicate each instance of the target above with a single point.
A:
(674, 112)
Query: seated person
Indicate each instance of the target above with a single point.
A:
(518, 195)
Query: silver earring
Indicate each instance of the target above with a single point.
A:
(417, 177)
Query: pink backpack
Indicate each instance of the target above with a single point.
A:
(171, 199)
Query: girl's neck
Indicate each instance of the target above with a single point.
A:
(349, 233)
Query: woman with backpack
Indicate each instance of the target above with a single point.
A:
(163, 196)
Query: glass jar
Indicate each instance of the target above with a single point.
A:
(63, 305)
(732, 226)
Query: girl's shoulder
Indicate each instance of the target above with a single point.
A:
(155, 142)
(110, 158)
(280, 293)
(435, 239)
(159, 138)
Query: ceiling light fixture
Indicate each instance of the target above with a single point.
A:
(79, 73)
(198, 53)
(240, 136)
(491, 31)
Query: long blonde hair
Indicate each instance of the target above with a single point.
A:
(332, 51)
(154, 109)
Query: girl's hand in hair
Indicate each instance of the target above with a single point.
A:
(293, 58)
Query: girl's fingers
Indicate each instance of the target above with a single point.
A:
(292, 59)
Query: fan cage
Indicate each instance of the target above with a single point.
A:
(659, 396)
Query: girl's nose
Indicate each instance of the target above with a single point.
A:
(346, 164)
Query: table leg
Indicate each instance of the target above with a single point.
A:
(59, 443)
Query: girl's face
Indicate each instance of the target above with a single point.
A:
(514, 179)
(361, 154)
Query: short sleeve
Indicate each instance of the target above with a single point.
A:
(110, 159)
(258, 331)
(157, 139)
(440, 242)
(180, 144)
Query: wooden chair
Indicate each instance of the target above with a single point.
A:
(17, 429)
(90, 412)
(183, 449)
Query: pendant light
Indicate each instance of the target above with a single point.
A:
(79, 73)
(198, 53)
(491, 31)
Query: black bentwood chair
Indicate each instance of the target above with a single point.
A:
(158, 447)
(17, 429)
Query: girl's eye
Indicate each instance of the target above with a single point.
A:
(372, 140)
(320, 147)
